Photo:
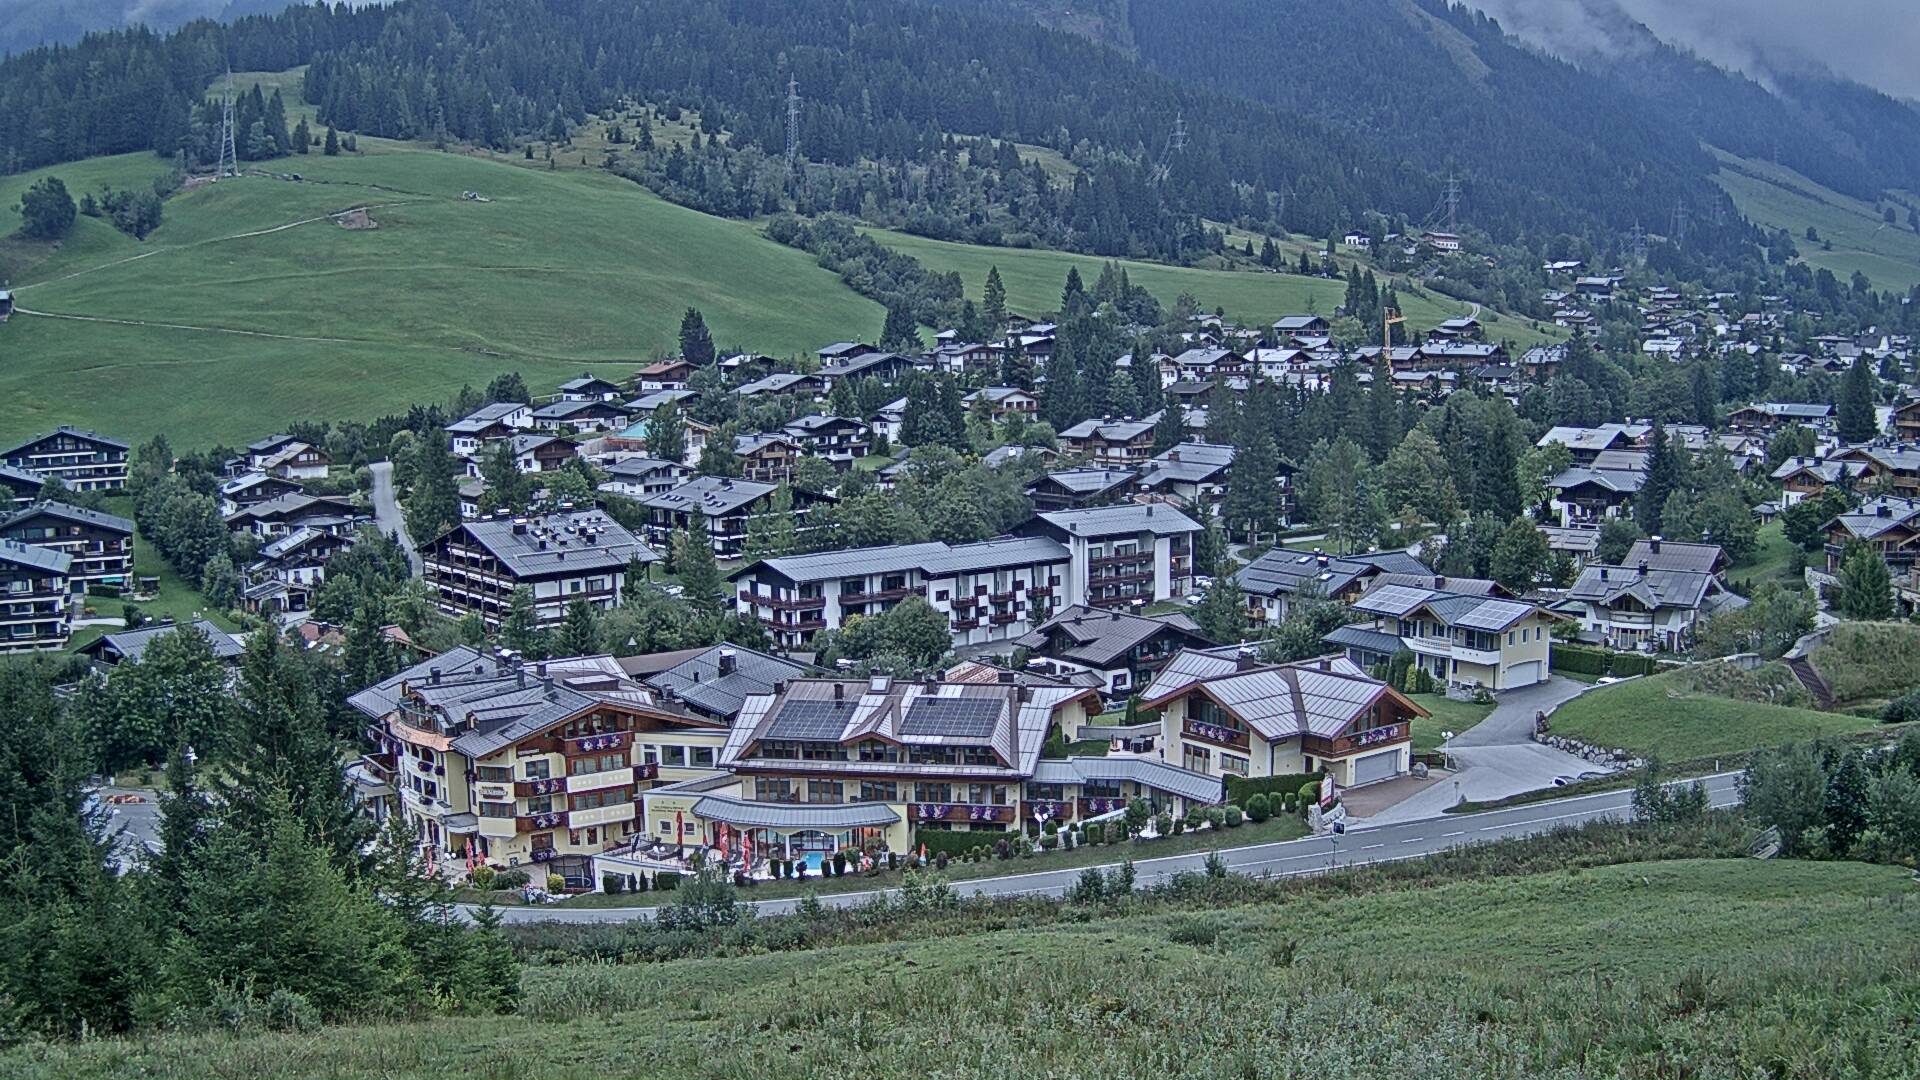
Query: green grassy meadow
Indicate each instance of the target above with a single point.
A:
(1750, 968)
(1660, 715)
(1033, 278)
(1448, 715)
(559, 271)
(1778, 197)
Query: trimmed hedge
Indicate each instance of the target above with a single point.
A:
(955, 843)
(1580, 660)
(1241, 789)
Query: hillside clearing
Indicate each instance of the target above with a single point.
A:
(559, 270)
(1779, 198)
(1553, 974)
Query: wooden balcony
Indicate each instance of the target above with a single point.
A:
(762, 600)
(1214, 734)
(1086, 808)
(1386, 735)
(527, 823)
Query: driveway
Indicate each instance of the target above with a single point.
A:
(386, 509)
(1496, 757)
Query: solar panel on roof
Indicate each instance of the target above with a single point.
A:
(809, 721)
(961, 718)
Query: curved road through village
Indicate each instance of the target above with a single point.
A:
(1290, 858)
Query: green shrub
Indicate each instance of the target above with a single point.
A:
(1096, 833)
(511, 879)
(953, 843)
(1163, 825)
(1049, 842)
(1179, 826)
(1902, 710)
(1233, 817)
(483, 877)
(613, 884)
(1050, 827)
(1257, 809)
(667, 879)
(1241, 789)
(1194, 930)
(556, 883)
(1216, 816)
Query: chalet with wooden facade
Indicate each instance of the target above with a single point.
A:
(101, 544)
(82, 460)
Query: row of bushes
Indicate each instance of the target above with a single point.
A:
(1579, 660)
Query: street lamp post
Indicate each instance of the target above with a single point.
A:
(1446, 747)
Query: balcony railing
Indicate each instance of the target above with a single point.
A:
(1384, 735)
(1215, 734)
(763, 600)
(647, 770)
(957, 812)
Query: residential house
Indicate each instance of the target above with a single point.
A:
(1905, 421)
(960, 358)
(990, 591)
(1005, 401)
(1804, 477)
(639, 477)
(1123, 649)
(1272, 582)
(1643, 606)
(1467, 639)
(251, 489)
(475, 566)
(665, 375)
(1894, 470)
(589, 387)
(1124, 555)
(101, 544)
(130, 646)
(1586, 495)
(1767, 417)
(633, 438)
(885, 366)
(35, 598)
(1889, 525)
(1224, 713)
(650, 402)
(718, 507)
(784, 384)
(287, 571)
(766, 458)
(511, 764)
(289, 513)
(840, 440)
(82, 460)
(842, 351)
(1290, 327)
(288, 458)
(1195, 474)
(1123, 442)
(1070, 489)
(489, 423)
(579, 415)
(532, 454)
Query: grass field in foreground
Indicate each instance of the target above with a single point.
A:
(1777, 197)
(1658, 715)
(559, 270)
(1695, 968)
(1033, 278)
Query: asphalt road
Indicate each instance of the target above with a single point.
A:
(386, 509)
(1290, 858)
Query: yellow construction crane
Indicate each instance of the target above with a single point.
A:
(1388, 317)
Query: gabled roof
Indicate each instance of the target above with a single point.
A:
(46, 560)
(1466, 610)
(1277, 701)
(569, 542)
(131, 645)
(1283, 571)
(933, 558)
(698, 681)
(1618, 481)
(78, 515)
(63, 429)
(1110, 430)
(1676, 555)
(713, 496)
(485, 417)
(1099, 638)
(1608, 585)
(1156, 775)
(1087, 481)
(1877, 516)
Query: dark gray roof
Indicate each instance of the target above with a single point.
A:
(484, 417)
(569, 542)
(1088, 481)
(1364, 636)
(1608, 585)
(36, 558)
(713, 496)
(639, 468)
(934, 558)
(698, 682)
(1098, 638)
(1876, 516)
(133, 644)
(20, 477)
(777, 383)
(79, 515)
(1283, 571)
(1675, 555)
(63, 429)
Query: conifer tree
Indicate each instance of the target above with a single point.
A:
(696, 343)
(698, 571)
(1853, 413)
(993, 304)
(520, 629)
(580, 634)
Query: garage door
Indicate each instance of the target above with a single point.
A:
(1523, 674)
(1385, 766)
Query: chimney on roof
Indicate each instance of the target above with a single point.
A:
(728, 661)
(519, 527)
(1025, 694)
(1005, 678)
(1244, 657)
(1653, 544)
(543, 543)
(1326, 663)
(1603, 573)
(839, 691)
(1643, 568)
(540, 669)
(1173, 454)
(433, 675)
(1149, 509)
(1321, 559)
(1884, 510)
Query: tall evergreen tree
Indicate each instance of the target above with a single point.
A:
(993, 304)
(902, 331)
(1866, 586)
(433, 506)
(580, 635)
(520, 628)
(667, 434)
(696, 343)
(1381, 424)
(698, 571)
(1853, 413)
(1666, 473)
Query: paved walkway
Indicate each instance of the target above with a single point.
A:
(386, 509)
(1289, 858)
(1497, 757)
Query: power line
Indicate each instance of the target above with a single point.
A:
(1453, 203)
(1679, 229)
(1176, 144)
(1639, 244)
